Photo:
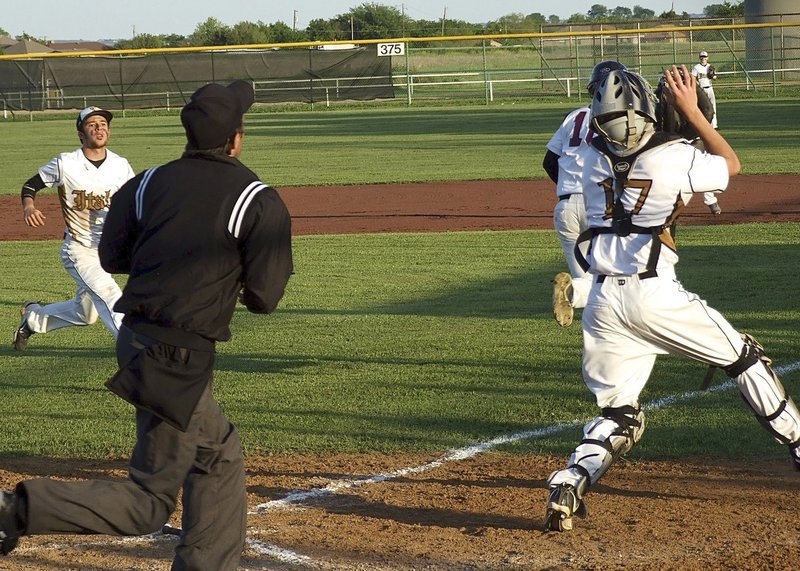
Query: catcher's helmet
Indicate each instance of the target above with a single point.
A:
(600, 71)
(624, 111)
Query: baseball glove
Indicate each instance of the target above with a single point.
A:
(670, 120)
(712, 72)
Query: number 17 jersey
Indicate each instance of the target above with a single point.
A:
(658, 183)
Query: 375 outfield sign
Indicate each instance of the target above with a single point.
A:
(392, 49)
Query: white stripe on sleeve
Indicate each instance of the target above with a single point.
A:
(140, 192)
(239, 209)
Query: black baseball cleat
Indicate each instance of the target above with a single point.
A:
(22, 333)
(795, 452)
(562, 505)
(9, 529)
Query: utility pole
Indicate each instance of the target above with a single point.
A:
(444, 17)
(352, 29)
(403, 10)
(294, 22)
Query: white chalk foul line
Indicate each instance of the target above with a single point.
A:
(474, 450)
(278, 553)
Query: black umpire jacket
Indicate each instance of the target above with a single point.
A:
(193, 235)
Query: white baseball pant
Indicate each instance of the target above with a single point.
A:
(95, 296)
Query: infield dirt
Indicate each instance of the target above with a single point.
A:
(480, 513)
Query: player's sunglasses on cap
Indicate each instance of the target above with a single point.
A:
(91, 111)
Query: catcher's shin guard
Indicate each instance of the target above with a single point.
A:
(605, 439)
(764, 393)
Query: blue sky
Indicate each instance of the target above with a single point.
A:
(64, 20)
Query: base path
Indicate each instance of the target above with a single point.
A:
(447, 206)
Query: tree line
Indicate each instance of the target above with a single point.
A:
(375, 21)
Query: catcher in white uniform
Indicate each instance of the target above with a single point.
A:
(636, 182)
(86, 178)
(563, 163)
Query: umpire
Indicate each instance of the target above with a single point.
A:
(193, 235)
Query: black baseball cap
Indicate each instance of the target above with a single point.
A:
(214, 112)
(90, 111)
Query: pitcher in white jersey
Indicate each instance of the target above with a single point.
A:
(87, 179)
(636, 182)
(705, 73)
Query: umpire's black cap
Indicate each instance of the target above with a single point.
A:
(214, 112)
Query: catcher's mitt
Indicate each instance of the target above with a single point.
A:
(670, 120)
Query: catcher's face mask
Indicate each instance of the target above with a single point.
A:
(623, 111)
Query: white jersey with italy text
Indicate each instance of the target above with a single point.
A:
(659, 183)
(700, 71)
(569, 143)
(85, 191)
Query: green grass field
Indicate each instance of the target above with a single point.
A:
(458, 345)
(395, 144)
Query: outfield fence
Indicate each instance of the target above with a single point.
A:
(555, 62)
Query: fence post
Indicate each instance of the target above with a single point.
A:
(486, 87)
(577, 69)
(674, 48)
(541, 57)
(772, 56)
(602, 51)
(639, 45)
(121, 86)
(408, 74)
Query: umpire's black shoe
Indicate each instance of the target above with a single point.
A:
(22, 333)
(9, 523)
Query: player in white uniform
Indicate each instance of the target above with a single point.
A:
(563, 163)
(636, 182)
(705, 72)
(86, 178)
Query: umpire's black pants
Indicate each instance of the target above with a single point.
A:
(206, 461)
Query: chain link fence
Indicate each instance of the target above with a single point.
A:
(559, 61)
(555, 63)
